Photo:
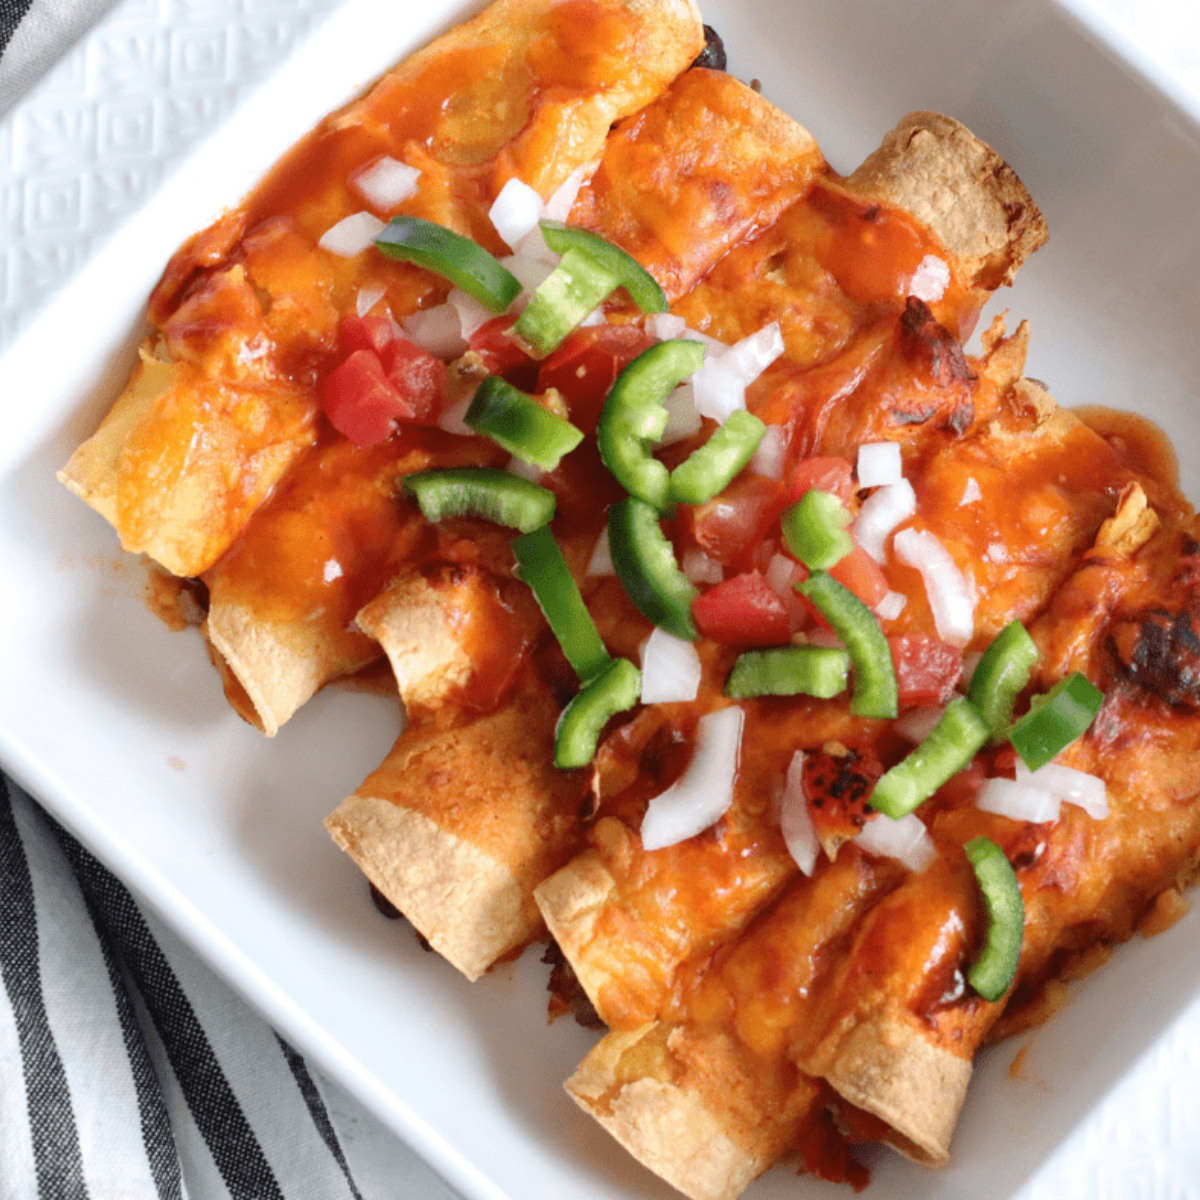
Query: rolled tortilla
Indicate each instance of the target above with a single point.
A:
(705, 166)
(179, 498)
(693, 1106)
(718, 1059)
(626, 920)
(465, 816)
(947, 197)
(224, 402)
(936, 169)
(454, 633)
(282, 603)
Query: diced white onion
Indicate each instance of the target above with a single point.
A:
(682, 418)
(795, 820)
(530, 471)
(1075, 787)
(595, 317)
(1019, 801)
(704, 792)
(601, 562)
(665, 326)
(880, 513)
(720, 391)
(905, 839)
(769, 457)
(930, 280)
(530, 269)
(533, 245)
(452, 417)
(515, 212)
(386, 183)
(824, 637)
(723, 377)
(471, 313)
(780, 572)
(367, 298)
(755, 353)
(879, 464)
(670, 669)
(946, 586)
(562, 199)
(972, 493)
(437, 329)
(352, 235)
(699, 568)
(916, 724)
(891, 606)
(970, 662)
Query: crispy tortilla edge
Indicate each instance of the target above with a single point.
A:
(885, 1067)
(941, 173)
(665, 1127)
(469, 907)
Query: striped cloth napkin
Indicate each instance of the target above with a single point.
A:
(35, 34)
(127, 1069)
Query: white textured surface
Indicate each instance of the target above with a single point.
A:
(108, 125)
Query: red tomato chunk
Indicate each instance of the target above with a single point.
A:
(384, 380)
(743, 611)
(927, 670)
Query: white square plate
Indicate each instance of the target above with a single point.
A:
(120, 727)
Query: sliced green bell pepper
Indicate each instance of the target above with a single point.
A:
(465, 263)
(644, 561)
(992, 973)
(541, 565)
(615, 689)
(522, 426)
(481, 492)
(633, 418)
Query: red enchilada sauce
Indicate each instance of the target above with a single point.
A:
(865, 361)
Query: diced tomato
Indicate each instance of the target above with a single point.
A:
(419, 379)
(359, 399)
(927, 670)
(501, 355)
(743, 611)
(367, 333)
(831, 474)
(837, 787)
(730, 526)
(857, 572)
(862, 575)
(586, 365)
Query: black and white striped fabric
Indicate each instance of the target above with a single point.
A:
(127, 1069)
(34, 35)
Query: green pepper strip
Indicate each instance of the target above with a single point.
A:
(1002, 674)
(821, 671)
(815, 530)
(992, 973)
(541, 565)
(616, 689)
(520, 424)
(1056, 719)
(465, 263)
(951, 744)
(710, 468)
(633, 418)
(481, 492)
(643, 288)
(644, 561)
(562, 300)
(875, 692)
